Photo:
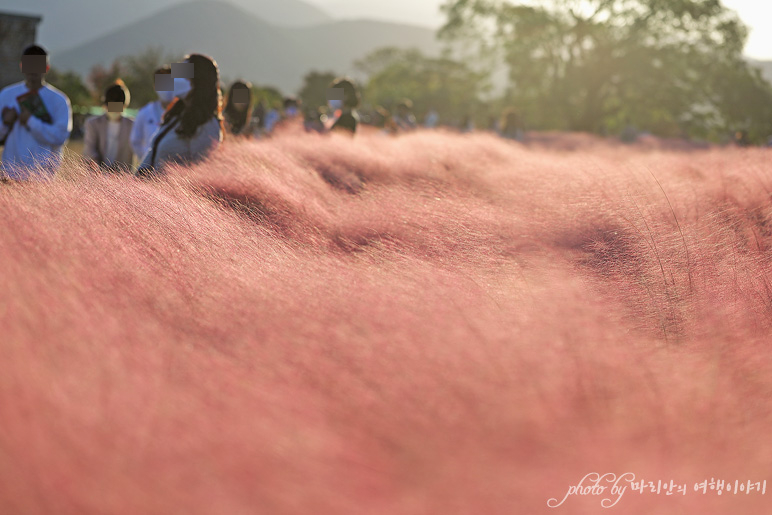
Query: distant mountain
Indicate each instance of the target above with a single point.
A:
(68, 23)
(419, 12)
(337, 45)
(245, 45)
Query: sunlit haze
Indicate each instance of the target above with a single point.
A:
(756, 14)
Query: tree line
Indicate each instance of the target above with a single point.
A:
(674, 68)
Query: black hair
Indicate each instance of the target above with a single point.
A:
(35, 50)
(291, 102)
(235, 118)
(205, 100)
(165, 69)
(117, 92)
(350, 94)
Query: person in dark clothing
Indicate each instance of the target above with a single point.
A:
(291, 108)
(313, 119)
(258, 119)
(404, 117)
(237, 113)
(344, 96)
(742, 139)
(511, 126)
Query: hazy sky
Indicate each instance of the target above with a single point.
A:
(757, 14)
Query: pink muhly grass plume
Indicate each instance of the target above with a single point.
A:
(426, 324)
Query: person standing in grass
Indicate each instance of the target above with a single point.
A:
(291, 108)
(36, 121)
(344, 98)
(404, 118)
(238, 113)
(511, 126)
(149, 117)
(106, 140)
(272, 117)
(192, 126)
(258, 119)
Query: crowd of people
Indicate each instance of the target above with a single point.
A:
(184, 124)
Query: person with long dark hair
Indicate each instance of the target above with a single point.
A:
(192, 125)
(238, 112)
(347, 102)
(404, 117)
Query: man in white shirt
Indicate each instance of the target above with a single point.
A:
(106, 140)
(148, 118)
(36, 121)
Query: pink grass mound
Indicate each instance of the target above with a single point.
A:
(428, 324)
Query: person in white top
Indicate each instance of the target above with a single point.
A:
(148, 118)
(106, 140)
(37, 120)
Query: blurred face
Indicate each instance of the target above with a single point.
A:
(183, 80)
(164, 87)
(335, 98)
(241, 99)
(34, 68)
(183, 89)
(114, 110)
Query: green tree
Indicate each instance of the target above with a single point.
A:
(443, 84)
(72, 85)
(100, 77)
(669, 66)
(270, 96)
(136, 71)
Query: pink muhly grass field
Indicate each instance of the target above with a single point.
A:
(428, 324)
